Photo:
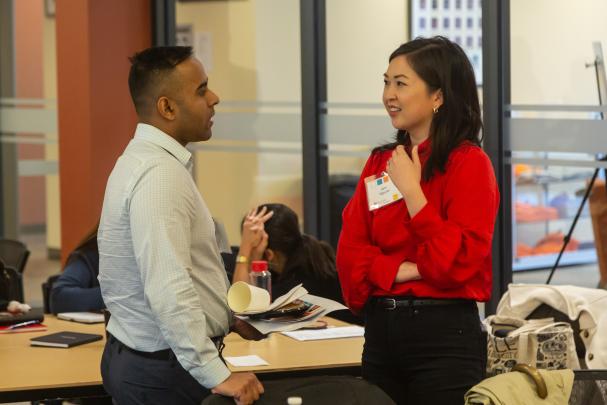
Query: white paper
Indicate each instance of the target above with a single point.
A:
(337, 332)
(84, 317)
(269, 326)
(240, 297)
(246, 361)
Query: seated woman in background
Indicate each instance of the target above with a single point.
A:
(271, 232)
(77, 289)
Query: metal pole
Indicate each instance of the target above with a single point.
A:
(496, 94)
(313, 95)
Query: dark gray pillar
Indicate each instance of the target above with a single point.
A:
(314, 141)
(9, 176)
(163, 22)
(496, 95)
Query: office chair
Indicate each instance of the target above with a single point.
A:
(14, 254)
(11, 283)
(47, 286)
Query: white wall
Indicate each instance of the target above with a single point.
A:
(551, 40)
(361, 35)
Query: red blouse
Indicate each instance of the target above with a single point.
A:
(449, 239)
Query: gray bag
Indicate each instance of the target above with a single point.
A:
(540, 343)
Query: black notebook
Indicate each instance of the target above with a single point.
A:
(65, 339)
(7, 319)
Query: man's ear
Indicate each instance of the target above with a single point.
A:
(166, 108)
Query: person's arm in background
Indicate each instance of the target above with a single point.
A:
(253, 243)
(76, 290)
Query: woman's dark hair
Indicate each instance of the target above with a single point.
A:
(303, 252)
(443, 65)
(89, 242)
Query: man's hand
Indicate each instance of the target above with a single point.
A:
(245, 388)
(245, 330)
(407, 271)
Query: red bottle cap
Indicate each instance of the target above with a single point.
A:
(259, 265)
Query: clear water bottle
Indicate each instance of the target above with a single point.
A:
(260, 276)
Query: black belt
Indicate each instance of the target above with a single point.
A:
(391, 303)
(165, 354)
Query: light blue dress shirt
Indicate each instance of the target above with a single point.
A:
(160, 269)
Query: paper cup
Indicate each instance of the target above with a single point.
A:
(243, 297)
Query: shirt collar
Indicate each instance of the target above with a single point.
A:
(423, 149)
(150, 133)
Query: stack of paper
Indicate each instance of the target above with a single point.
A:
(252, 305)
(83, 317)
(339, 332)
(245, 299)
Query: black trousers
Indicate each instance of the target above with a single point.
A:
(424, 354)
(132, 379)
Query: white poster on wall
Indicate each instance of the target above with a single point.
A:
(184, 35)
(203, 49)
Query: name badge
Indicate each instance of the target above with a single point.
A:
(381, 191)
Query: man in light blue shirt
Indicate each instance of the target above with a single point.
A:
(160, 269)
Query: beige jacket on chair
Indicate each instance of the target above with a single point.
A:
(516, 388)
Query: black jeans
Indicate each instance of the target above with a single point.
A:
(424, 354)
(135, 380)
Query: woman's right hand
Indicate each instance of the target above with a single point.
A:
(253, 230)
(407, 271)
(258, 251)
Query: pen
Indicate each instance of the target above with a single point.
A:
(22, 324)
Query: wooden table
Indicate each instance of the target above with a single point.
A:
(34, 373)
(289, 357)
(31, 373)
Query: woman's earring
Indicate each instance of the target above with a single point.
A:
(435, 109)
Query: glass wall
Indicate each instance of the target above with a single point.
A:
(251, 52)
(353, 118)
(28, 137)
(556, 129)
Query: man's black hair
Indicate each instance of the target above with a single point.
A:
(148, 69)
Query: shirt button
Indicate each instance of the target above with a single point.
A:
(590, 356)
(586, 334)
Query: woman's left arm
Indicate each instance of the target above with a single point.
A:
(451, 250)
(75, 290)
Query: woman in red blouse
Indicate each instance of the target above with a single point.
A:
(414, 254)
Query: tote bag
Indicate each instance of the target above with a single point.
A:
(541, 343)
